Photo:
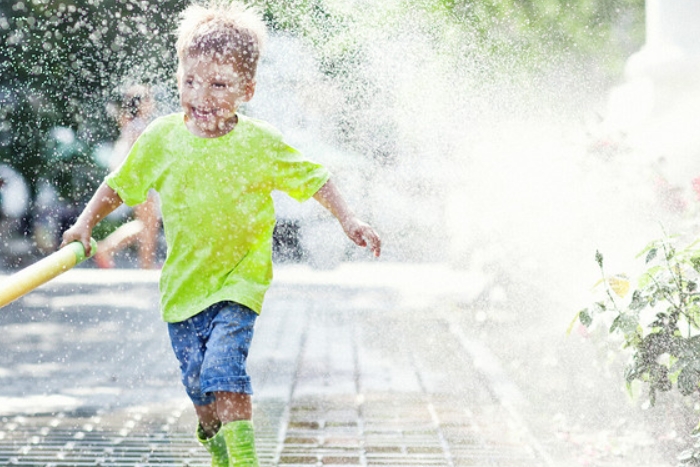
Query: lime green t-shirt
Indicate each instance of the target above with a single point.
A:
(218, 214)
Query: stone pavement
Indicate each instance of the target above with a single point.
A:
(346, 372)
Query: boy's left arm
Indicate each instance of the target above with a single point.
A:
(358, 231)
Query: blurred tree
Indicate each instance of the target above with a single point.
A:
(591, 28)
(514, 40)
(585, 27)
(60, 64)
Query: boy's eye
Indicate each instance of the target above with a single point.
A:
(220, 85)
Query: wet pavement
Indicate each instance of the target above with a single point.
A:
(365, 365)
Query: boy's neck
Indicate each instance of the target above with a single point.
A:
(216, 132)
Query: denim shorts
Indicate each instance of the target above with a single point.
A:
(212, 348)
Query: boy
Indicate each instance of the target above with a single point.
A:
(214, 171)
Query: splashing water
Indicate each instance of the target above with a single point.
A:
(460, 161)
(455, 154)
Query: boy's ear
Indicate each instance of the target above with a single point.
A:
(249, 90)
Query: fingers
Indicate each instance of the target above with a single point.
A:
(363, 235)
(375, 243)
(70, 237)
(88, 247)
(376, 247)
(367, 237)
(66, 240)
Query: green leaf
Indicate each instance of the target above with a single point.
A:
(629, 323)
(646, 249)
(599, 258)
(651, 255)
(694, 344)
(656, 344)
(653, 271)
(633, 371)
(625, 322)
(688, 381)
(615, 325)
(686, 456)
(658, 378)
(670, 253)
(637, 302)
(578, 318)
(585, 317)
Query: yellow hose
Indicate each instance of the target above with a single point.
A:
(31, 277)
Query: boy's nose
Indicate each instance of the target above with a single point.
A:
(202, 93)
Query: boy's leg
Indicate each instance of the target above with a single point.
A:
(231, 406)
(207, 431)
(208, 419)
(188, 339)
(226, 431)
(235, 411)
(239, 437)
(224, 375)
(216, 445)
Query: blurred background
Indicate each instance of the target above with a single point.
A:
(514, 137)
(417, 106)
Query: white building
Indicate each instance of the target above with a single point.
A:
(656, 110)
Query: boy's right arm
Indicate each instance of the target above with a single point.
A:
(104, 201)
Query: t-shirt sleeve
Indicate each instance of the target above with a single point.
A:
(137, 173)
(297, 176)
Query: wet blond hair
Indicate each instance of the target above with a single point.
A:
(222, 30)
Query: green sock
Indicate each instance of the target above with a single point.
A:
(240, 443)
(216, 445)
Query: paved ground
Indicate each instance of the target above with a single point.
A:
(391, 365)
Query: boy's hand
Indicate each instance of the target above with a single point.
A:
(363, 235)
(80, 234)
(104, 201)
(359, 232)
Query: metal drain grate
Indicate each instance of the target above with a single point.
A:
(375, 430)
(400, 430)
(129, 439)
(134, 438)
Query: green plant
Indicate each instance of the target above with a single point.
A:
(659, 321)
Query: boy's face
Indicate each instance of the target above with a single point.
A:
(210, 93)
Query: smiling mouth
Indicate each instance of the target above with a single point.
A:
(201, 114)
